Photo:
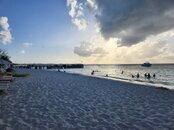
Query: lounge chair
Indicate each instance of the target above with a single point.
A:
(5, 81)
(7, 78)
(4, 85)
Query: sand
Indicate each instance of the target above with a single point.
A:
(61, 101)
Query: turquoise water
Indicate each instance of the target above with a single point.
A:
(164, 73)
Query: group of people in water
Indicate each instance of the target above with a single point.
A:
(146, 76)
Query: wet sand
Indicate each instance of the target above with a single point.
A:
(61, 101)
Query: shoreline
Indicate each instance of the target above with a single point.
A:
(119, 79)
(52, 100)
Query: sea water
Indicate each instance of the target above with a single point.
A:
(164, 73)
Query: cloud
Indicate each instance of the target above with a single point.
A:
(153, 51)
(25, 47)
(148, 50)
(90, 4)
(22, 51)
(76, 12)
(72, 4)
(134, 21)
(5, 35)
(87, 49)
(80, 23)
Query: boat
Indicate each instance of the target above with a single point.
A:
(146, 64)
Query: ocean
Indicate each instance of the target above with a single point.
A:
(164, 73)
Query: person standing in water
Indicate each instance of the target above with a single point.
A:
(145, 75)
(154, 75)
(133, 76)
(148, 76)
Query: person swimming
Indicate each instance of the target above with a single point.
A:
(92, 73)
(138, 75)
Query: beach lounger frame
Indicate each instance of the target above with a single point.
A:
(4, 85)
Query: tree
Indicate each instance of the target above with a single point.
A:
(4, 55)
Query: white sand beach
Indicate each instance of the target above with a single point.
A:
(62, 101)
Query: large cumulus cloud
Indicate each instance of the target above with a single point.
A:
(5, 35)
(134, 20)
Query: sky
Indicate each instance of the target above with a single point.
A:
(88, 31)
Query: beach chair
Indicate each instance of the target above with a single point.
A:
(5, 81)
(4, 85)
(7, 78)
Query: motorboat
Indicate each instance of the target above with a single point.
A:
(146, 64)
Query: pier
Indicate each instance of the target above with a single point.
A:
(49, 66)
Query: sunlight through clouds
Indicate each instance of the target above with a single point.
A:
(134, 32)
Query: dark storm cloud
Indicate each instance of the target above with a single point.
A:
(134, 20)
